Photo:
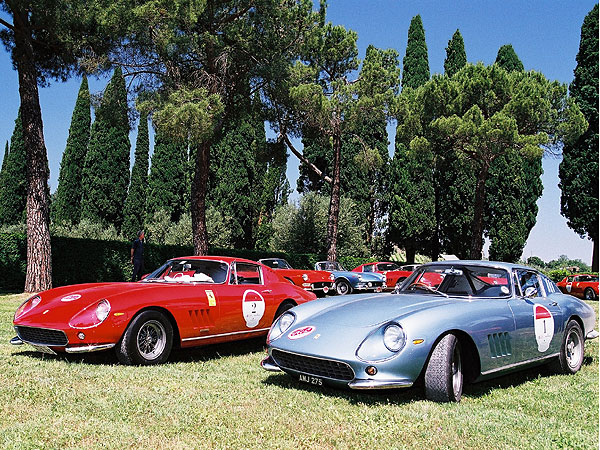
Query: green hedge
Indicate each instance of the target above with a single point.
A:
(77, 260)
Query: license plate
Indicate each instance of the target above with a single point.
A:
(311, 380)
(44, 349)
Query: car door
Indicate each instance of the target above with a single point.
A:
(538, 318)
(247, 304)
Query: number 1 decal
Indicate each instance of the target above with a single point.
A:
(544, 327)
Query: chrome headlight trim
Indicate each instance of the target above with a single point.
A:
(281, 325)
(394, 337)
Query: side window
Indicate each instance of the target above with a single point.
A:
(529, 280)
(245, 273)
(550, 286)
(368, 268)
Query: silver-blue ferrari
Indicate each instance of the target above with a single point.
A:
(448, 323)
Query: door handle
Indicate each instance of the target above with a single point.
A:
(552, 304)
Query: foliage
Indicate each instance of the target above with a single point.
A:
(507, 59)
(415, 70)
(167, 182)
(66, 203)
(13, 188)
(303, 228)
(106, 169)
(85, 229)
(578, 170)
(135, 204)
(456, 57)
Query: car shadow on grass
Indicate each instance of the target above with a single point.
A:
(417, 391)
(186, 355)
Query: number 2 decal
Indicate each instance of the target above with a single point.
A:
(253, 307)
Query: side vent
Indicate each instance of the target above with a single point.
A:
(499, 345)
(200, 317)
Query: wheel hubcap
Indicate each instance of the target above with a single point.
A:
(342, 288)
(574, 349)
(151, 339)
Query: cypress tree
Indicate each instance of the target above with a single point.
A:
(167, 180)
(507, 59)
(415, 63)
(66, 206)
(456, 57)
(578, 170)
(13, 188)
(135, 205)
(106, 169)
(6, 150)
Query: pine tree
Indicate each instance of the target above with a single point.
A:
(66, 206)
(456, 57)
(135, 205)
(578, 170)
(167, 180)
(415, 70)
(13, 189)
(106, 170)
(507, 59)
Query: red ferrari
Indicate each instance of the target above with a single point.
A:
(318, 281)
(187, 302)
(394, 276)
(581, 285)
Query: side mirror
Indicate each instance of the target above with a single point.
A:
(531, 292)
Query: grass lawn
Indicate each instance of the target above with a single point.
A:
(219, 398)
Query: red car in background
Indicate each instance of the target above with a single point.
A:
(394, 275)
(318, 281)
(191, 301)
(581, 285)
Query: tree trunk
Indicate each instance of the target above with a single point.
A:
(595, 256)
(198, 200)
(334, 204)
(476, 247)
(39, 253)
(410, 253)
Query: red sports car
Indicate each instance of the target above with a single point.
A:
(580, 285)
(187, 302)
(394, 276)
(318, 281)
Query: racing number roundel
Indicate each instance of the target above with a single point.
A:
(301, 332)
(544, 327)
(253, 307)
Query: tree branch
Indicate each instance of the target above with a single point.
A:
(7, 25)
(283, 136)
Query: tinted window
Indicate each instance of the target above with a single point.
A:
(245, 273)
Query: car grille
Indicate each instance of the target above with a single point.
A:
(321, 285)
(313, 366)
(42, 336)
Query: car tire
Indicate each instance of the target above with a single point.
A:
(342, 287)
(283, 308)
(589, 294)
(572, 350)
(444, 375)
(148, 340)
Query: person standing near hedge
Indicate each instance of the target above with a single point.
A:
(137, 256)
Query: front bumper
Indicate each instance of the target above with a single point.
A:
(74, 349)
(369, 286)
(592, 335)
(324, 287)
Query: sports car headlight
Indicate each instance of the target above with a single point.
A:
(305, 277)
(92, 316)
(27, 306)
(332, 277)
(394, 337)
(280, 326)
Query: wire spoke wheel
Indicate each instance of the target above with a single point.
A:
(151, 339)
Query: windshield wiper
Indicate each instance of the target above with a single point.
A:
(427, 288)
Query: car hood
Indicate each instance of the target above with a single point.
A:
(60, 304)
(371, 310)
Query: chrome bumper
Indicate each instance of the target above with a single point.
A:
(592, 335)
(82, 349)
(379, 384)
(269, 364)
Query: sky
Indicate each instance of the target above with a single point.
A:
(544, 34)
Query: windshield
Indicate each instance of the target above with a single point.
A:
(190, 271)
(384, 267)
(459, 280)
(275, 263)
(332, 266)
